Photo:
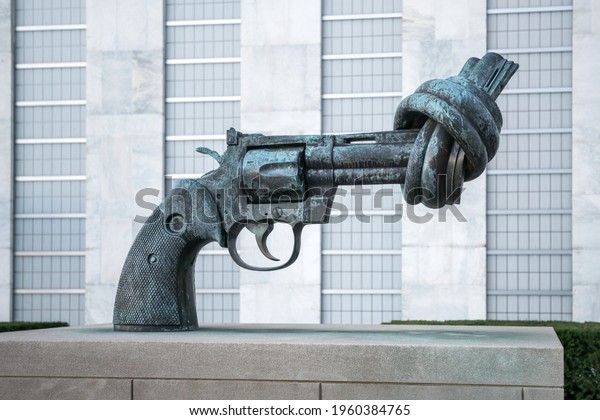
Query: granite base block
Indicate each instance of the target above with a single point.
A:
(65, 389)
(284, 362)
(190, 389)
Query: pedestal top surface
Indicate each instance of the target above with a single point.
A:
(369, 335)
(527, 356)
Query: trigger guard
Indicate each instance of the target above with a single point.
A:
(232, 241)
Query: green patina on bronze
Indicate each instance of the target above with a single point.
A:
(443, 135)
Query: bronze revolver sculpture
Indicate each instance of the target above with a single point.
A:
(443, 135)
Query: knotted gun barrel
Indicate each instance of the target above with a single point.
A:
(459, 126)
(444, 134)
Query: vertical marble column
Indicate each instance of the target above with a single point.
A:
(6, 158)
(125, 134)
(586, 161)
(281, 94)
(443, 262)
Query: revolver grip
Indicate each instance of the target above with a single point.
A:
(156, 289)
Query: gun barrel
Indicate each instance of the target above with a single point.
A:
(370, 176)
(382, 159)
(367, 158)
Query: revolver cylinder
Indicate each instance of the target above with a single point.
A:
(273, 173)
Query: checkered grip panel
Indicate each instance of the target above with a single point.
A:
(147, 292)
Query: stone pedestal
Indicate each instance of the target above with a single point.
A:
(284, 362)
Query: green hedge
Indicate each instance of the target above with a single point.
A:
(581, 342)
(20, 326)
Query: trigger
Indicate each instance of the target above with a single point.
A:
(261, 232)
(232, 241)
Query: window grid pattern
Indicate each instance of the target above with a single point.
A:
(362, 36)
(55, 84)
(49, 197)
(530, 30)
(360, 7)
(49, 272)
(529, 188)
(361, 272)
(535, 273)
(359, 114)
(50, 159)
(533, 151)
(362, 75)
(50, 122)
(49, 12)
(49, 235)
(224, 272)
(359, 201)
(375, 232)
(535, 110)
(179, 160)
(514, 4)
(50, 46)
(194, 80)
(50, 307)
(202, 9)
(530, 192)
(360, 309)
(542, 70)
(211, 91)
(203, 41)
(529, 232)
(218, 308)
(202, 118)
(49, 228)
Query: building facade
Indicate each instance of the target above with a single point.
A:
(104, 101)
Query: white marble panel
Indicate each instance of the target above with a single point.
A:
(6, 159)
(125, 135)
(444, 261)
(586, 161)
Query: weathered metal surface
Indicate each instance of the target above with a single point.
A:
(444, 134)
(460, 129)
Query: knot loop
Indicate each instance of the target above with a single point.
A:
(459, 124)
